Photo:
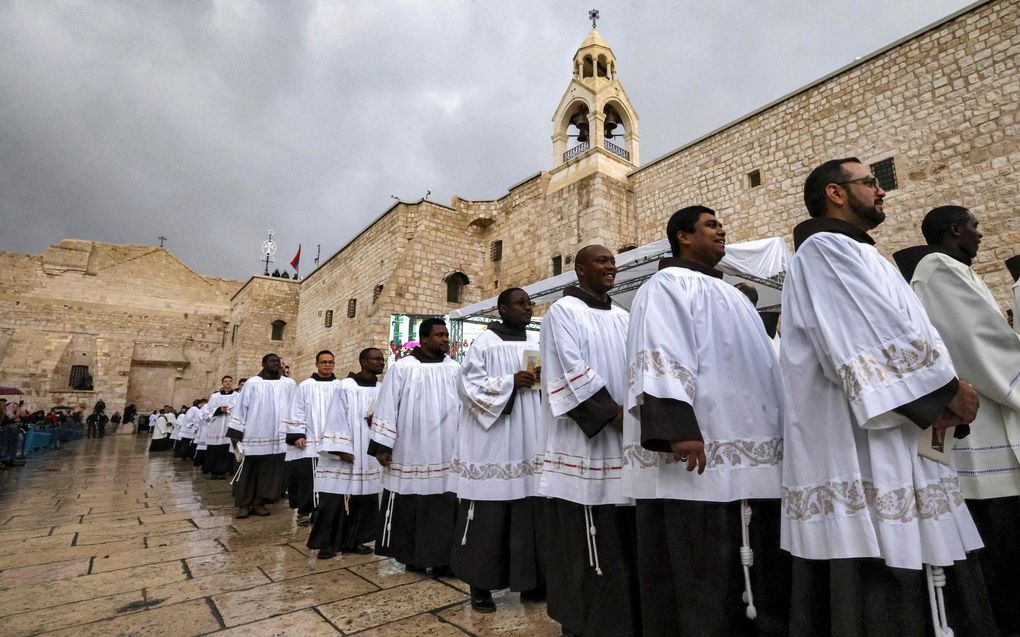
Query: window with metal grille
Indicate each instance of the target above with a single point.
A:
(885, 172)
(377, 292)
(277, 334)
(78, 375)
(328, 321)
(557, 265)
(352, 307)
(754, 178)
(496, 251)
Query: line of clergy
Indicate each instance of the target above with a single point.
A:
(673, 470)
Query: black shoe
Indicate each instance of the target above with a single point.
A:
(413, 568)
(441, 571)
(481, 601)
(360, 549)
(325, 554)
(536, 594)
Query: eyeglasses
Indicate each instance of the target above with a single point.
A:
(870, 181)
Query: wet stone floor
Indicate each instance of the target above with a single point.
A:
(98, 539)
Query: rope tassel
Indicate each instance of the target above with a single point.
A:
(388, 522)
(936, 582)
(747, 557)
(589, 535)
(467, 524)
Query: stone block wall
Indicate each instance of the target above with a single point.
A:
(248, 329)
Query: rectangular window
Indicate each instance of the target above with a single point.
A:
(754, 178)
(328, 322)
(496, 251)
(885, 172)
(233, 334)
(352, 307)
(377, 292)
(557, 264)
(78, 375)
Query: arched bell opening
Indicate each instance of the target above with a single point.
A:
(602, 66)
(615, 129)
(587, 67)
(578, 135)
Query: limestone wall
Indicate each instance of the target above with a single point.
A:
(248, 330)
(943, 105)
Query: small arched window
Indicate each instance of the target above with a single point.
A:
(278, 326)
(455, 287)
(588, 67)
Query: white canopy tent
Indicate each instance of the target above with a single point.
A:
(762, 263)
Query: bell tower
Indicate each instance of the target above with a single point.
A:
(595, 127)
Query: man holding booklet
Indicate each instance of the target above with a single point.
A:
(499, 537)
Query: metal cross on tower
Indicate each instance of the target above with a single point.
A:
(593, 15)
(162, 239)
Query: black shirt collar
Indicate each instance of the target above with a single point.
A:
(423, 356)
(227, 393)
(361, 381)
(677, 262)
(907, 260)
(815, 225)
(589, 300)
(323, 378)
(508, 332)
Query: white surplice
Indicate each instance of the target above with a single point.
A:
(416, 415)
(695, 338)
(189, 426)
(259, 415)
(1016, 307)
(175, 422)
(986, 354)
(856, 345)
(497, 457)
(583, 350)
(160, 427)
(216, 426)
(309, 414)
(348, 432)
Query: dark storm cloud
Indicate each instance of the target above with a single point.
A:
(211, 122)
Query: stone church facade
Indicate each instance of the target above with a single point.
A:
(935, 114)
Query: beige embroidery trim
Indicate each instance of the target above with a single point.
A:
(657, 363)
(904, 504)
(497, 470)
(889, 363)
(718, 453)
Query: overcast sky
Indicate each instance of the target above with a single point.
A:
(211, 122)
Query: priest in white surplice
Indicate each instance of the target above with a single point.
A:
(591, 577)
(693, 340)
(985, 353)
(498, 542)
(414, 429)
(347, 478)
(256, 427)
(309, 415)
(218, 459)
(161, 430)
(870, 523)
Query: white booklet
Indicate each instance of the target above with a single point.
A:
(533, 364)
(931, 445)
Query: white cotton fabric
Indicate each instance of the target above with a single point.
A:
(309, 414)
(175, 424)
(497, 457)
(261, 408)
(986, 354)
(216, 426)
(160, 427)
(696, 339)
(1016, 307)
(189, 422)
(348, 431)
(583, 350)
(857, 344)
(416, 415)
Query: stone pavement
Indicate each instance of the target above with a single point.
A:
(97, 539)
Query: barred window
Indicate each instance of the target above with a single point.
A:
(352, 307)
(377, 292)
(78, 375)
(754, 178)
(885, 172)
(328, 322)
(496, 251)
(277, 334)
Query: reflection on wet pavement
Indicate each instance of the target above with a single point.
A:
(97, 539)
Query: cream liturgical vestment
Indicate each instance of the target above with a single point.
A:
(416, 415)
(986, 354)
(857, 345)
(216, 431)
(498, 455)
(691, 335)
(347, 431)
(310, 411)
(260, 412)
(583, 351)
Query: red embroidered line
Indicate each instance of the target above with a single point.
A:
(584, 373)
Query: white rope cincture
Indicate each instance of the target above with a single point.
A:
(347, 503)
(315, 492)
(467, 524)
(388, 522)
(747, 557)
(237, 474)
(936, 582)
(589, 536)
